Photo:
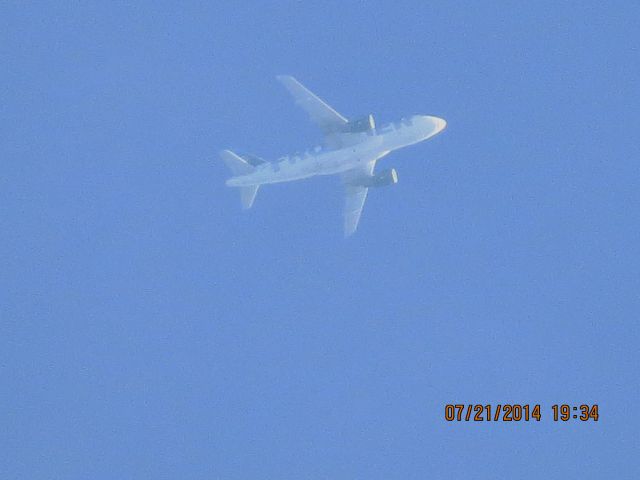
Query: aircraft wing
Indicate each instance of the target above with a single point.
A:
(320, 113)
(355, 195)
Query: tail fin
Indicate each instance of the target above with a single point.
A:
(239, 166)
(248, 195)
(236, 164)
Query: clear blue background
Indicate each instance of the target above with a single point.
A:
(150, 329)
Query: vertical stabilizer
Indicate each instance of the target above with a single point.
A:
(248, 195)
(239, 166)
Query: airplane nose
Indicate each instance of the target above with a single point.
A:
(438, 123)
(433, 125)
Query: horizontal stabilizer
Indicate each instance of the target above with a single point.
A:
(236, 164)
(253, 159)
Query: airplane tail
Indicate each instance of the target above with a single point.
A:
(248, 195)
(239, 166)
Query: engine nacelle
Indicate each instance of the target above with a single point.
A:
(382, 179)
(360, 125)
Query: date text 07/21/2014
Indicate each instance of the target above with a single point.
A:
(518, 412)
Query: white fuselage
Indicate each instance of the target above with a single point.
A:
(363, 148)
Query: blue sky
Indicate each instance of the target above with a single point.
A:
(150, 329)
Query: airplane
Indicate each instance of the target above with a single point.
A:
(350, 149)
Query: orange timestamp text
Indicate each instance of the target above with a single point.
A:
(508, 412)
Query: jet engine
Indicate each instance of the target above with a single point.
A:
(382, 179)
(360, 125)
